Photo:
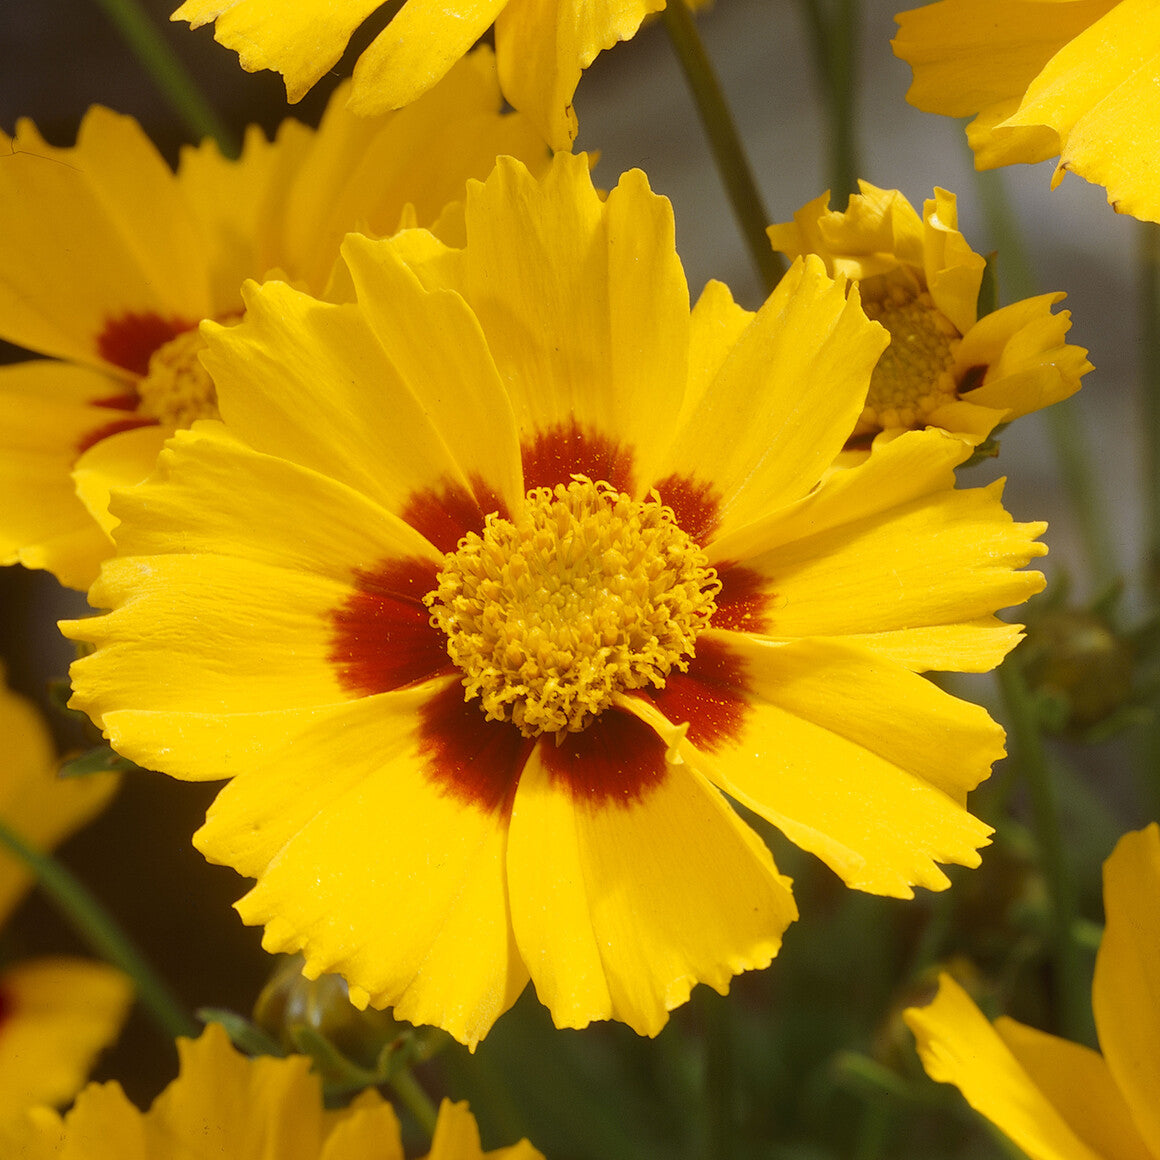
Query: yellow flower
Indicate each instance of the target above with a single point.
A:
(1071, 79)
(542, 46)
(945, 367)
(498, 574)
(55, 1013)
(225, 1105)
(111, 260)
(1056, 1099)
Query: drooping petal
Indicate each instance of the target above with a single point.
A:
(596, 341)
(621, 906)
(57, 1015)
(302, 40)
(1126, 989)
(857, 760)
(377, 871)
(93, 233)
(783, 402)
(957, 1045)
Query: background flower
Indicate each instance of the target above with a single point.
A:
(1058, 1100)
(945, 367)
(113, 260)
(1072, 79)
(290, 588)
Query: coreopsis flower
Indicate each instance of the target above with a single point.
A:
(945, 367)
(1056, 1099)
(541, 48)
(1069, 79)
(499, 574)
(56, 1014)
(111, 260)
(223, 1104)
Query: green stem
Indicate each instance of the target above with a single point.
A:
(834, 40)
(724, 140)
(1072, 984)
(157, 57)
(1064, 426)
(102, 932)
(415, 1099)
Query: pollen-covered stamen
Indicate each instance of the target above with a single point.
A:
(913, 377)
(587, 593)
(177, 389)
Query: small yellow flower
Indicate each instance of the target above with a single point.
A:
(500, 576)
(1056, 1099)
(111, 261)
(542, 46)
(1072, 79)
(945, 367)
(225, 1105)
(56, 1014)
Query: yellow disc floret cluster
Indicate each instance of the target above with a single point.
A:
(177, 390)
(586, 593)
(913, 377)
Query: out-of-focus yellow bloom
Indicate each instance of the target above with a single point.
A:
(225, 1105)
(111, 260)
(56, 1014)
(1073, 79)
(1056, 1099)
(945, 367)
(498, 577)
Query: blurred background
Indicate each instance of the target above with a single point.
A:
(59, 56)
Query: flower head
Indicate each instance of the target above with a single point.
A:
(541, 48)
(112, 261)
(223, 1104)
(56, 1014)
(945, 367)
(1056, 1099)
(1072, 80)
(497, 575)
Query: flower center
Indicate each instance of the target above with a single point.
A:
(913, 377)
(177, 389)
(587, 593)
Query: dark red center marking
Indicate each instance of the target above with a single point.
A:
(7, 1006)
(616, 760)
(744, 602)
(446, 512)
(383, 638)
(711, 697)
(554, 455)
(129, 340)
(474, 760)
(696, 505)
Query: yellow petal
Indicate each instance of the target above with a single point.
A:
(58, 1014)
(122, 460)
(411, 910)
(93, 232)
(457, 1138)
(542, 46)
(310, 382)
(421, 43)
(843, 561)
(302, 40)
(368, 1128)
(856, 760)
(783, 402)
(954, 272)
(1127, 980)
(583, 302)
(41, 807)
(957, 1045)
(1078, 1084)
(46, 418)
(620, 907)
